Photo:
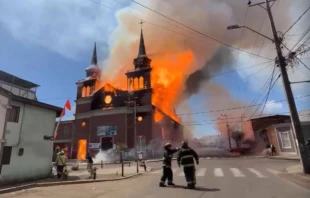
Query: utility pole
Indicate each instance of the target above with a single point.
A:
(228, 132)
(135, 132)
(289, 94)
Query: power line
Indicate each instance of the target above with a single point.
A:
(270, 87)
(263, 88)
(253, 120)
(263, 115)
(242, 107)
(196, 31)
(296, 21)
(307, 31)
(213, 76)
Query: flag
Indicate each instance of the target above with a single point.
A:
(68, 105)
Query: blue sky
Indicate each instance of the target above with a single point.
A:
(54, 46)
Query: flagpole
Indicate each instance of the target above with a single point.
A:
(58, 123)
(63, 112)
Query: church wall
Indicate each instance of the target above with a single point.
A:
(82, 108)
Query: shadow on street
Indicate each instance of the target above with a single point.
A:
(198, 188)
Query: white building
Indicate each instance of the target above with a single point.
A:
(25, 154)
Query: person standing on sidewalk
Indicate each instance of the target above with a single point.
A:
(186, 159)
(167, 171)
(90, 164)
(61, 161)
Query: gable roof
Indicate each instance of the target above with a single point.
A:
(37, 104)
(9, 78)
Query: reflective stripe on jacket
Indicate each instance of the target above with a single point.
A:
(168, 157)
(186, 157)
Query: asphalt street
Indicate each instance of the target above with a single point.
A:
(216, 178)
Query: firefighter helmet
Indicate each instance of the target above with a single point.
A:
(167, 145)
(184, 144)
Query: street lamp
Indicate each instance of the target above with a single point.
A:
(233, 27)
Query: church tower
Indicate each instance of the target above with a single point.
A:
(139, 79)
(86, 87)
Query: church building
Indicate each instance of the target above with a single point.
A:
(109, 116)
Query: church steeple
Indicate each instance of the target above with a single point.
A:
(142, 51)
(142, 61)
(93, 71)
(94, 57)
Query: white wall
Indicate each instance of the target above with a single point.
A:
(14, 129)
(3, 102)
(34, 123)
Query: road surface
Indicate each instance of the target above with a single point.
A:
(216, 178)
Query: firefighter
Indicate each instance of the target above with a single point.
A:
(186, 159)
(90, 163)
(61, 160)
(167, 171)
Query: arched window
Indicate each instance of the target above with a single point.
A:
(83, 92)
(66, 131)
(141, 82)
(135, 84)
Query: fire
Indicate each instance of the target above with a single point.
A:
(81, 149)
(158, 116)
(168, 76)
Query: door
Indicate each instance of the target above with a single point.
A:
(81, 154)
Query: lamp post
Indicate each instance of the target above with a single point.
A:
(130, 102)
(304, 156)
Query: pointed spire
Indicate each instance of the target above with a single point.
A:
(142, 51)
(94, 57)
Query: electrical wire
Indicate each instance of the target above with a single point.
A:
(296, 21)
(270, 87)
(242, 107)
(257, 97)
(196, 31)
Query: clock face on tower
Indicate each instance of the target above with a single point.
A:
(108, 99)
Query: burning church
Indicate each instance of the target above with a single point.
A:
(107, 116)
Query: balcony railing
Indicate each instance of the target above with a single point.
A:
(19, 91)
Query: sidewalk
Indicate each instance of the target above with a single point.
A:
(296, 174)
(285, 157)
(80, 176)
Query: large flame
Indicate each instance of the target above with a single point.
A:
(167, 81)
(82, 144)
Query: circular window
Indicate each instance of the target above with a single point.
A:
(139, 118)
(108, 99)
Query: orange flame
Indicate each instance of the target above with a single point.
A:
(167, 81)
(81, 149)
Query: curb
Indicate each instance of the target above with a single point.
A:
(283, 158)
(46, 184)
(17, 188)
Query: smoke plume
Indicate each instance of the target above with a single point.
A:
(182, 64)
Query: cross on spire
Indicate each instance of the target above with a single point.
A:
(141, 23)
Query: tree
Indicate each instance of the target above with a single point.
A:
(238, 137)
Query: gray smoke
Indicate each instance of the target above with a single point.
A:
(222, 57)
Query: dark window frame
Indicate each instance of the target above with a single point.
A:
(13, 114)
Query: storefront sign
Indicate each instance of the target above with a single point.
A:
(94, 145)
(106, 130)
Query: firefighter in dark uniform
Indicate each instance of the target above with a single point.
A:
(167, 171)
(186, 158)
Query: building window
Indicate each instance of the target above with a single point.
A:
(6, 157)
(66, 131)
(13, 114)
(285, 139)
